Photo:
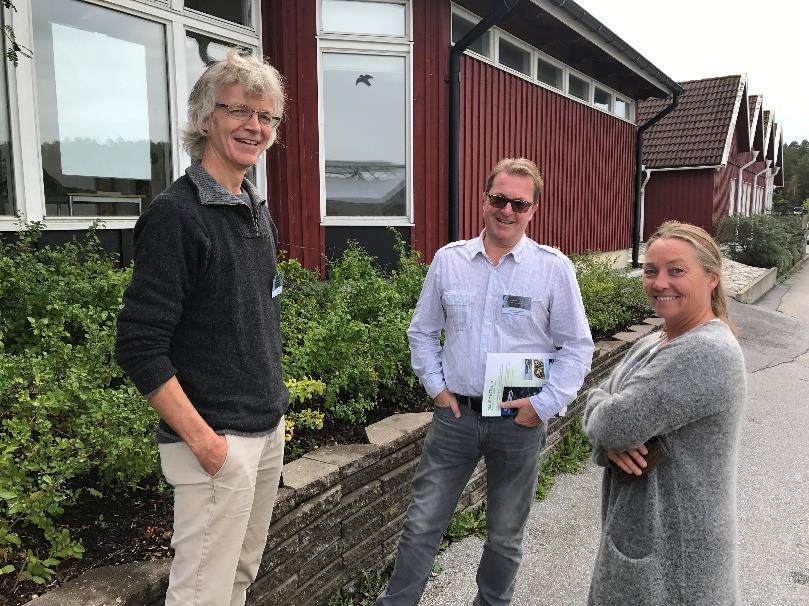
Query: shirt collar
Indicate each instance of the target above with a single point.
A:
(518, 252)
(211, 193)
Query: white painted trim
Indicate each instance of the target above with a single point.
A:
(585, 33)
(741, 92)
(29, 191)
(496, 33)
(359, 44)
(715, 166)
(366, 222)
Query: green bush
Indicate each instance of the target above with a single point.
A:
(66, 412)
(612, 300)
(764, 240)
(71, 423)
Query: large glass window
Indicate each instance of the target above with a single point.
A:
(462, 26)
(102, 108)
(237, 11)
(360, 17)
(200, 52)
(6, 169)
(514, 57)
(365, 134)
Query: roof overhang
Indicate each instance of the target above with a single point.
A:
(779, 156)
(739, 123)
(567, 32)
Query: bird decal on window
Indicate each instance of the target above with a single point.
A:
(365, 79)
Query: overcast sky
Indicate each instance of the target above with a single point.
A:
(692, 39)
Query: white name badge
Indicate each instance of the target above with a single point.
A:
(277, 284)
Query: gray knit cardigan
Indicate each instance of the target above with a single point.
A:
(669, 538)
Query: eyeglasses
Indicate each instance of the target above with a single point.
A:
(499, 201)
(243, 114)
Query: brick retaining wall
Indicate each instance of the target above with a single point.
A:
(338, 515)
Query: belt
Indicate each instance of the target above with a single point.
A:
(472, 402)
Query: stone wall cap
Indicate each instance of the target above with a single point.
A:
(399, 429)
(347, 457)
(128, 584)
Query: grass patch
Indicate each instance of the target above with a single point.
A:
(569, 457)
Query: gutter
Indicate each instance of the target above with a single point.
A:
(638, 214)
(493, 18)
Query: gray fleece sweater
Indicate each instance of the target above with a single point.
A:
(669, 537)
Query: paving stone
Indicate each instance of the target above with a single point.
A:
(284, 502)
(654, 321)
(136, 583)
(398, 430)
(308, 477)
(643, 329)
(350, 458)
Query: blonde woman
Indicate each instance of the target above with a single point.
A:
(665, 426)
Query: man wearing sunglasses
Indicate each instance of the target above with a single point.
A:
(498, 293)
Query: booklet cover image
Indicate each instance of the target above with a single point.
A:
(511, 376)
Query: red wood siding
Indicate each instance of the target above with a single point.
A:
(586, 157)
(683, 195)
(431, 37)
(293, 167)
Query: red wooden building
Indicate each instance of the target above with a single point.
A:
(717, 154)
(548, 82)
(365, 145)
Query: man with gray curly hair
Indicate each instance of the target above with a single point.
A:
(199, 335)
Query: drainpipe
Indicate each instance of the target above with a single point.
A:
(493, 18)
(741, 181)
(755, 182)
(769, 188)
(639, 169)
(648, 173)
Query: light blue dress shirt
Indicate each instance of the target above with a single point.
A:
(463, 295)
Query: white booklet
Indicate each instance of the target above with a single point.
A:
(511, 376)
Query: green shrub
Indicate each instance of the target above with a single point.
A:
(612, 300)
(764, 240)
(66, 412)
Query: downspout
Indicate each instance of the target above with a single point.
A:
(755, 184)
(740, 188)
(770, 188)
(493, 18)
(637, 217)
(648, 172)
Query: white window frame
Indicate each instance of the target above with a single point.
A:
(560, 66)
(494, 44)
(29, 191)
(369, 44)
(488, 35)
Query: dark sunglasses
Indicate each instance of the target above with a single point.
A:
(499, 201)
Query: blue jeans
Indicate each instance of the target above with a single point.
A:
(451, 451)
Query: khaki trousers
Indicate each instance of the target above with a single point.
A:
(221, 521)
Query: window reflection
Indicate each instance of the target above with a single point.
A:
(360, 17)
(237, 11)
(514, 57)
(578, 88)
(365, 129)
(6, 170)
(103, 109)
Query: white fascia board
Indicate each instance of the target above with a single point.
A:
(714, 166)
(742, 92)
(587, 34)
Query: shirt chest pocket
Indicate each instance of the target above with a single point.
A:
(458, 309)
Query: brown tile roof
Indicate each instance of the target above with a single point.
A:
(694, 134)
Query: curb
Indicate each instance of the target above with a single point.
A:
(761, 286)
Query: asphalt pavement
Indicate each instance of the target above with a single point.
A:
(773, 487)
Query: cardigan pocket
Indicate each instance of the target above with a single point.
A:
(619, 579)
